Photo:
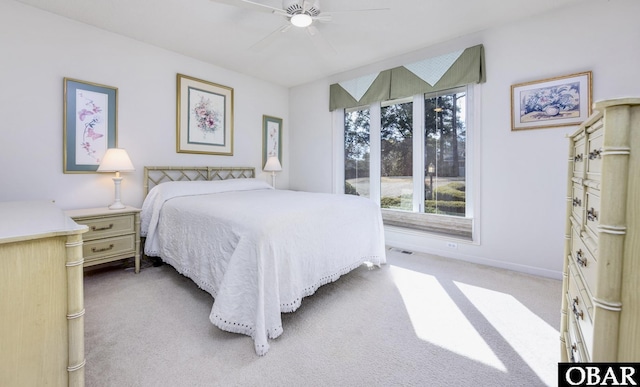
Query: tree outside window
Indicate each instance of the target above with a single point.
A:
(444, 158)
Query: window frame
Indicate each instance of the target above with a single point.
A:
(456, 227)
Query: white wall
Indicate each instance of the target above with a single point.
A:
(38, 49)
(522, 174)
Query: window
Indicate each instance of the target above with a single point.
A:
(445, 140)
(412, 158)
(396, 156)
(356, 152)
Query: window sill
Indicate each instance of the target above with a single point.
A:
(451, 226)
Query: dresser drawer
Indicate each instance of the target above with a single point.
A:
(579, 158)
(583, 261)
(575, 347)
(592, 212)
(595, 144)
(578, 202)
(108, 226)
(580, 308)
(97, 249)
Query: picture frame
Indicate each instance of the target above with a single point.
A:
(90, 124)
(204, 117)
(551, 102)
(271, 138)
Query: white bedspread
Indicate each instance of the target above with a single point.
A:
(256, 250)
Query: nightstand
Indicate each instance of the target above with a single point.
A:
(112, 235)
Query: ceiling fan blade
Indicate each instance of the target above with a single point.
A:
(271, 37)
(323, 18)
(260, 5)
(358, 10)
(254, 5)
(327, 17)
(319, 41)
(312, 30)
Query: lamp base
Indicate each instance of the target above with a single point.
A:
(117, 206)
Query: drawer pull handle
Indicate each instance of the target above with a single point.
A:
(95, 250)
(595, 154)
(580, 314)
(577, 202)
(592, 215)
(109, 227)
(582, 261)
(578, 158)
(574, 347)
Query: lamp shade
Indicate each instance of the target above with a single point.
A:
(116, 160)
(272, 165)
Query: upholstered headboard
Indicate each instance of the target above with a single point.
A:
(157, 175)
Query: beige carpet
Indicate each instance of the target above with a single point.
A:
(418, 321)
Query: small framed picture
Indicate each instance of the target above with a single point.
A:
(271, 138)
(204, 117)
(90, 122)
(553, 102)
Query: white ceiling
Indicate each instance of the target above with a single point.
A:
(225, 32)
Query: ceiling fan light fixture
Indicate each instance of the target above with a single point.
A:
(301, 20)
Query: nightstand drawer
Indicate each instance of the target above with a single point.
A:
(106, 227)
(112, 235)
(109, 246)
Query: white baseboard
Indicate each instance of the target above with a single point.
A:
(430, 244)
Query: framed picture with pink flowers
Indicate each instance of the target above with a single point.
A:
(90, 123)
(271, 138)
(204, 117)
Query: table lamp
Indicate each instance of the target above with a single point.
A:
(116, 160)
(272, 165)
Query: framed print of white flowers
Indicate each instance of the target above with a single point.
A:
(89, 124)
(553, 102)
(204, 114)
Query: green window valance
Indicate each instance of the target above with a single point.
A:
(454, 69)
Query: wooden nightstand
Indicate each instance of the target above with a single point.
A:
(112, 235)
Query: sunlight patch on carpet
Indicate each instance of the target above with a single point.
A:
(535, 341)
(437, 319)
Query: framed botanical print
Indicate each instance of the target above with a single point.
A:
(204, 117)
(271, 138)
(90, 122)
(553, 102)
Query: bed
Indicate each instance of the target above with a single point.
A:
(257, 250)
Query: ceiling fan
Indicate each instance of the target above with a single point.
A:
(299, 14)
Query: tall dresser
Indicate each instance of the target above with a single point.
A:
(41, 296)
(601, 285)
